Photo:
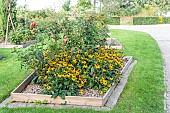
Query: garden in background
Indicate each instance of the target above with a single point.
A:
(70, 57)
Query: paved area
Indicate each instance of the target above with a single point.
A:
(161, 33)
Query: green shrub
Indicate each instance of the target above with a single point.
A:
(150, 20)
(48, 27)
(22, 34)
(44, 13)
(112, 20)
(145, 20)
(166, 20)
(45, 28)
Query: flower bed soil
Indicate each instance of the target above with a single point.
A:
(27, 92)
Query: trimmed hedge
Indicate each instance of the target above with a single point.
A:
(113, 20)
(166, 20)
(150, 20)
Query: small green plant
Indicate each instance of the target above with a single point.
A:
(112, 44)
(41, 102)
(9, 102)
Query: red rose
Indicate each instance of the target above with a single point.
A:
(65, 39)
(33, 25)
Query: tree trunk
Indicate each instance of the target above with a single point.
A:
(94, 3)
(6, 37)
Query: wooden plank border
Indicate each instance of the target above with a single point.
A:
(130, 59)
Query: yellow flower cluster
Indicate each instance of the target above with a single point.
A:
(98, 68)
(160, 19)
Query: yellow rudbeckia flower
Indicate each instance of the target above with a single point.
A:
(97, 66)
(81, 92)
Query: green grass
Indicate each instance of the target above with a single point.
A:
(10, 73)
(144, 91)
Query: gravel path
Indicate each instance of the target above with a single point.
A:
(161, 33)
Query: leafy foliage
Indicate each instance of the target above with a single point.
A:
(46, 27)
(133, 7)
(4, 14)
(113, 20)
(84, 4)
(44, 13)
(22, 34)
(66, 5)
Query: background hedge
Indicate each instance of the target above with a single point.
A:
(166, 20)
(113, 20)
(149, 20)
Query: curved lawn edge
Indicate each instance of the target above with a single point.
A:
(144, 91)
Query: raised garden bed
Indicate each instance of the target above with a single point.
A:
(113, 43)
(1, 57)
(17, 94)
(8, 45)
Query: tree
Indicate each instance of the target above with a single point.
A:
(120, 7)
(66, 5)
(133, 7)
(84, 5)
(3, 16)
(162, 6)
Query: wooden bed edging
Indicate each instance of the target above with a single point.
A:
(114, 40)
(130, 59)
(74, 100)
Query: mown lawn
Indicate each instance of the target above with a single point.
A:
(10, 73)
(144, 91)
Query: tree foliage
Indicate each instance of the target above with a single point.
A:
(133, 7)
(84, 4)
(4, 5)
(66, 5)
